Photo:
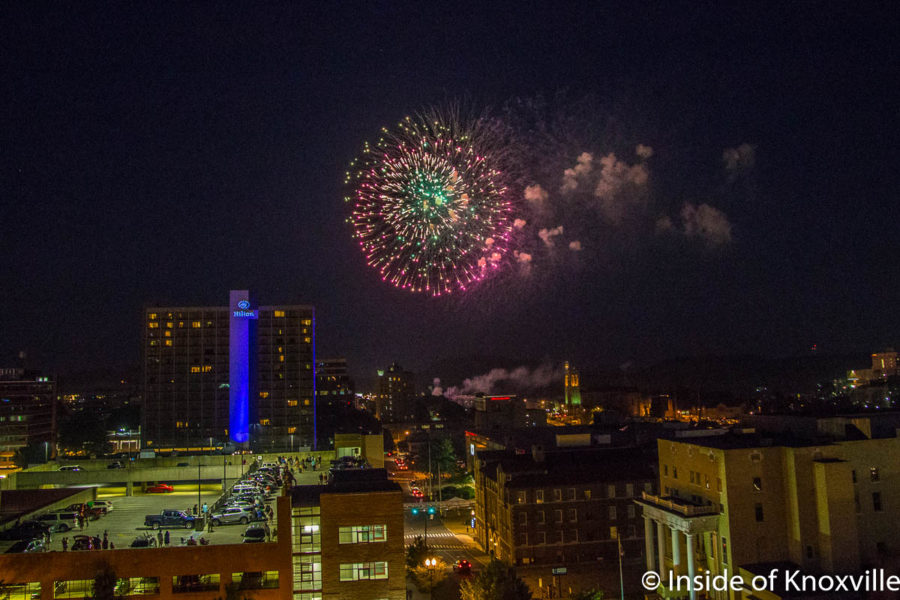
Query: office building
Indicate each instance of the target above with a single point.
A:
(333, 382)
(742, 501)
(395, 395)
(240, 374)
(571, 385)
(348, 538)
(27, 414)
(560, 506)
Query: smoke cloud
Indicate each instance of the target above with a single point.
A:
(521, 379)
(436, 389)
(740, 159)
(536, 194)
(523, 257)
(575, 246)
(548, 234)
(643, 151)
(519, 223)
(707, 223)
(582, 167)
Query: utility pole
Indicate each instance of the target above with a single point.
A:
(199, 502)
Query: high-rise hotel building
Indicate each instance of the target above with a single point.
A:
(239, 374)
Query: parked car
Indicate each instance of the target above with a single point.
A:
(59, 521)
(254, 534)
(116, 464)
(104, 505)
(144, 541)
(35, 545)
(463, 567)
(183, 464)
(170, 518)
(86, 542)
(242, 504)
(160, 488)
(25, 531)
(233, 514)
(70, 468)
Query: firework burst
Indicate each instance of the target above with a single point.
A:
(432, 208)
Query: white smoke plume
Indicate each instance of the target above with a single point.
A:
(436, 388)
(536, 194)
(643, 151)
(739, 159)
(523, 257)
(707, 223)
(489, 242)
(583, 166)
(575, 246)
(548, 234)
(496, 256)
(482, 262)
(521, 379)
(519, 223)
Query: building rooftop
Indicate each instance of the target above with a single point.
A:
(351, 481)
(568, 466)
(14, 504)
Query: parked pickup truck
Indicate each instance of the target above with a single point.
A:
(169, 518)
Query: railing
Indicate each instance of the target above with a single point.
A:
(688, 510)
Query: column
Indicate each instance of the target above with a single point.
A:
(676, 551)
(661, 541)
(648, 544)
(690, 562)
(129, 488)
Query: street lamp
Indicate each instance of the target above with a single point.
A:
(430, 563)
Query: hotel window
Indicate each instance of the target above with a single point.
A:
(521, 498)
(195, 369)
(292, 430)
(571, 493)
(876, 501)
(612, 513)
(168, 334)
(559, 537)
(557, 516)
(557, 495)
(613, 533)
(363, 571)
(264, 394)
(572, 514)
(168, 342)
(265, 422)
(307, 340)
(573, 535)
(306, 322)
(153, 325)
(362, 534)
(540, 538)
(873, 474)
(538, 496)
(630, 511)
(196, 324)
(307, 574)
(587, 494)
(539, 517)
(22, 591)
(629, 490)
(757, 484)
(152, 315)
(279, 313)
(169, 325)
(292, 403)
(611, 491)
(207, 368)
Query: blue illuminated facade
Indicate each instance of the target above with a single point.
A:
(241, 349)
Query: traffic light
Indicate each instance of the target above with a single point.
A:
(431, 510)
(415, 511)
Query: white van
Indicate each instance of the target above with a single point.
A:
(70, 468)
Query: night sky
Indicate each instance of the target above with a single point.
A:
(168, 152)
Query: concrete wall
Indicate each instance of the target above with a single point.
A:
(164, 563)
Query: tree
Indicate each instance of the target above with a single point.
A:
(428, 577)
(495, 582)
(105, 582)
(415, 553)
(443, 457)
(592, 594)
(84, 430)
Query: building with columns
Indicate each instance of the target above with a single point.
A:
(740, 501)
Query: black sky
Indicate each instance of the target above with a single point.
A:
(167, 152)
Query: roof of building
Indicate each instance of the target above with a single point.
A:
(736, 441)
(569, 466)
(16, 503)
(350, 481)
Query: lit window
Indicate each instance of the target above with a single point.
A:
(152, 315)
(264, 394)
(168, 342)
(168, 334)
(292, 430)
(196, 324)
(279, 313)
(306, 402)
(362, 534)
(180, 324)
(265, 422)
(307, 340)
(281, 358)
(169, 325)
(154, 342)
(207, 368)
(195, 369)
(292, 403)
(362, 571)
(154, 325)
(307, 322)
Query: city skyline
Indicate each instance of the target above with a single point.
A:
(154, 164)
